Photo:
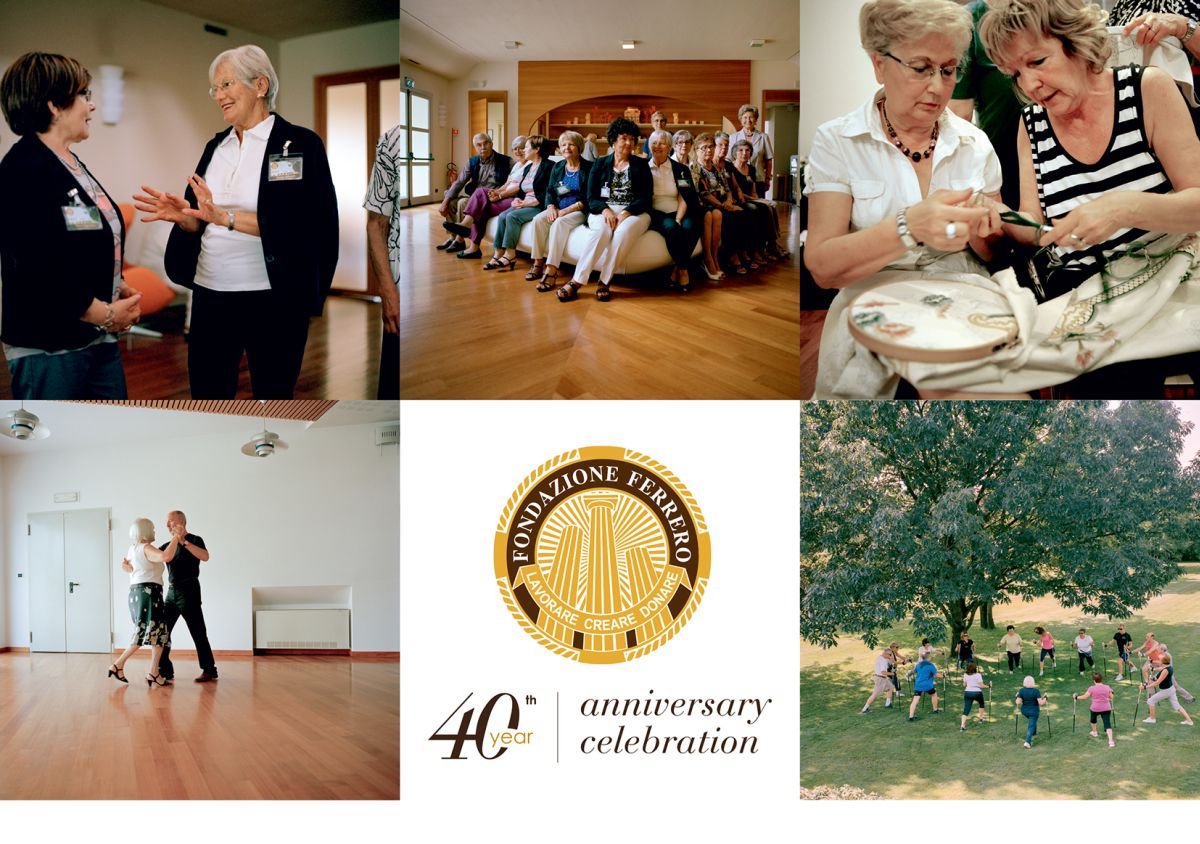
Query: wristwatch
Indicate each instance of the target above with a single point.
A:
(906, 237)
(1191, 30)
(230, 220)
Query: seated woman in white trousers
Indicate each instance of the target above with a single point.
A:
(566, 204)
(619, 192)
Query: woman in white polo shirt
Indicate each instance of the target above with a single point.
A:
(889, 182)
(255, 236)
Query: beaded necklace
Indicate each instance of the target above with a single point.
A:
(895, 139)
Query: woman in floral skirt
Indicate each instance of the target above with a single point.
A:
(146, 600)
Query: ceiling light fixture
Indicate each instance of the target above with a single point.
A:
(757, 42)
(264, 444)
(23, 425)
(511, 45)
(628, 45)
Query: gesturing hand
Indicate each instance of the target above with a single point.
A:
(161, 205)
(208, 212)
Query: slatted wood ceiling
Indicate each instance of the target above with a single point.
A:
(306, 410)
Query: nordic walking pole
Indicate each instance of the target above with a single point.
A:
(1135, 708)
(1074, 701)
(1049, 729)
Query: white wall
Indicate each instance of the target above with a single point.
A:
(835, 73)
(325, 512)
(168, 114)
(304, 58)
(490, 76)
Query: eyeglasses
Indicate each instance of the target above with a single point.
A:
(86, 93)
(222, 87)
(926, 71)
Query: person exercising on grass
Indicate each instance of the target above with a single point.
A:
(925, 684)
(1100, 696)
(1047, 642)
(884, 669)
(1011, 643)
(973, 685)
(1123, 640)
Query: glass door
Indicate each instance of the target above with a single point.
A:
(416, 149)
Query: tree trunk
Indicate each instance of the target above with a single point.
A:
(986, 622)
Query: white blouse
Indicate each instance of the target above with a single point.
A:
(852, 155)
(144, 571)
(233, 261)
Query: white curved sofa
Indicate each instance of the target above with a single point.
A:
(649, 253)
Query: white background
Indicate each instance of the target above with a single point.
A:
(460, 462)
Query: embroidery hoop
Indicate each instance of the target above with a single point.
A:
(932, 321)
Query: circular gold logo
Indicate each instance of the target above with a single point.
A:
(602, 554)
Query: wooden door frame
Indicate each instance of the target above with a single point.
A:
(372, 77)
(487, 92)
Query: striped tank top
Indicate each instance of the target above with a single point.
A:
(1129, 164)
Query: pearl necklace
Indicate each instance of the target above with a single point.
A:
(908, 153)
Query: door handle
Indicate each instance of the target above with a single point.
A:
(71, 587)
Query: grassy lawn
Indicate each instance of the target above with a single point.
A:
(929, 758)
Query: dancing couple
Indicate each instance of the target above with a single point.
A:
(153, 618)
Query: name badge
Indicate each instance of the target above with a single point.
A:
(683, 183)
(563, 190)
(604, 192)
(81, 218)
(285, 168)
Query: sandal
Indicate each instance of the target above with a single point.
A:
(568, 291)
(494, 263)
(505, 265)
(113, 671)
(536, 270)
(603, 294)
(548, 282)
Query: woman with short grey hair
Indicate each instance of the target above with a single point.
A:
(255, 236)
(675, 210)
(761, 152)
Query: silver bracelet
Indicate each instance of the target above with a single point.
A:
(1191, 30)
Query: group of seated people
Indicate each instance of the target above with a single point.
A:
(694, 195)
(1108, 162)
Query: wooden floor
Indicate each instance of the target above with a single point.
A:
(811, 324)
(467, 333)
(272, 728)
(341, 359)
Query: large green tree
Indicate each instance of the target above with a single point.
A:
(932, 511)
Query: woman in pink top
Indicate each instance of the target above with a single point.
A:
(1101, 697)
(1152, 649)
(1047, 649)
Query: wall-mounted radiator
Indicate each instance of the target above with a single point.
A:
(302, 629)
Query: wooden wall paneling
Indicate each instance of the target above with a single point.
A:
(720, 86)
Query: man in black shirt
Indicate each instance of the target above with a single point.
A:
(1123, 641)
(183, 599)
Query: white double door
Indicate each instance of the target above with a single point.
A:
(70, 581)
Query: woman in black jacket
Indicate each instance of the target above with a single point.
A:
(619, 192)
(61, 242)
(255, 237)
